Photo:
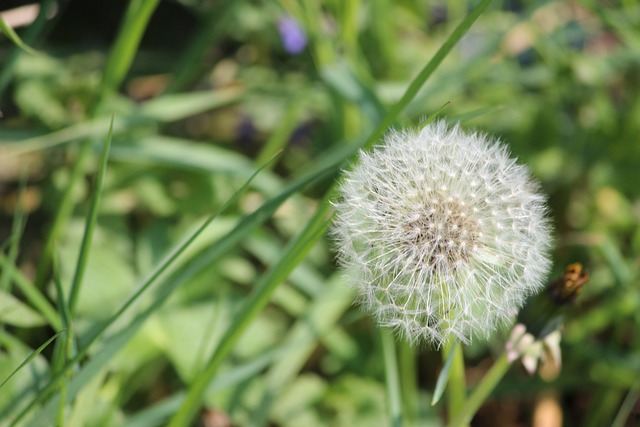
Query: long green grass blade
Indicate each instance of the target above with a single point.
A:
(85, 246)
(15, 38)
(126, 45)
(9, 62)
(32, 356)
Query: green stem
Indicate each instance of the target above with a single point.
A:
(394, 399)
(482, 391)
(627, 405)
(456, 392)
(409, 381)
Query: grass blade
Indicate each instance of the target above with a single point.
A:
(90, 225)
(8, 63)
(443, 378)
(33, 355)
(126, 45)
(15, 38)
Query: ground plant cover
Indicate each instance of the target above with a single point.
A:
(319, 213)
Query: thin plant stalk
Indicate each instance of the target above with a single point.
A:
(409, 380)
(482, 391)
(456, 391)
(392, 376)
(627, 405)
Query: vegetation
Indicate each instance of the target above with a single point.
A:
(166, 177)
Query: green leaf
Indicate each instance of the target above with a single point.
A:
(15, 38)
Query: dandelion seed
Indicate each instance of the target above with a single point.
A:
(442, 233)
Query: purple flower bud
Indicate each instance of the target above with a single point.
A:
(293, 37)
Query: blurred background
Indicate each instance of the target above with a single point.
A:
(214, 90)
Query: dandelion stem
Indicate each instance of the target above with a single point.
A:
(482, 391)
(457, 385)
(394, 398)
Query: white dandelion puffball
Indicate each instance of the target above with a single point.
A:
(442, 233)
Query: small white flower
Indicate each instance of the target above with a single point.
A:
(442, 233)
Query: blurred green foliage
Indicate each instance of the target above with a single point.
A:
(211, 94)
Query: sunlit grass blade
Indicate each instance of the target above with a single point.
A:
(32, 356)
(473, 114)
(15, 38)
(126, 45)
(392, 378)
(293, 254)
(431, 117)
(92, 218)
(63, 351)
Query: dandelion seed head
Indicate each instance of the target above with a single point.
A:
(442, 233)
